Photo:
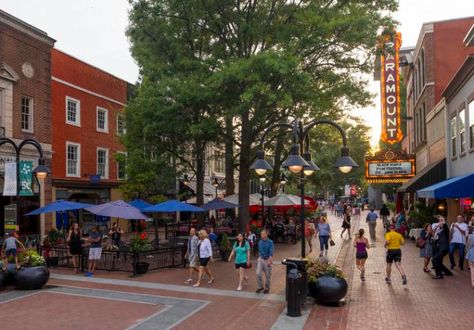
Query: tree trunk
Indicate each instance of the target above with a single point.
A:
(276, 175)
(244, 173)
(229, 157)
(200, 168)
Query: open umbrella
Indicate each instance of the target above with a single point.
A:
(254, 199)
(285, 200)
(173, 206)
(59, 206)
(218, 204)
(140, 204)
(117, 209)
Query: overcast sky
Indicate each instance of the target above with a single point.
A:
(93, 30)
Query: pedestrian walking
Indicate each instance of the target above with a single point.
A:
(361, 244)
(205, 255)
(393, 243)
(10, 248)
(371, 220)
(323, 231)
(74, 239)
(241, 249)
(346, 222)
(385, 215)
(425, 243)
(470, 256)
(264, 262)
(459, 231)
(441, 249)
(309, 234)
(95, 250)
(192, 254)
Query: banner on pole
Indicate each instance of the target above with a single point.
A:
(10, 181)
(26, 178)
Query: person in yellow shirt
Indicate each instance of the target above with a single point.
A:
(393, 243)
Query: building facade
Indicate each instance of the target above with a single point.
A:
(25, 108)
(87, 122)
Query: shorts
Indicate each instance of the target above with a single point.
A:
(95, 253)
(242, 265)
(11, 252)
(394, 256)
(361, 255)
(193, 261)
(204, 261)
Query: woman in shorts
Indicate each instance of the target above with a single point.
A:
(241, 250)
(361, 244)
(205, 255)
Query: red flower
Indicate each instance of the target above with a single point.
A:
(143, 236)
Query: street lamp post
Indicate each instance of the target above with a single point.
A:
(215, 183)
(41, 171)
(299, 160)
(262, 192)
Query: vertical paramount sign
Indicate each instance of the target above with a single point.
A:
(390, 90)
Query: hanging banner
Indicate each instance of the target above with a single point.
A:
(10, 181)
(26, 178)
(390, 89)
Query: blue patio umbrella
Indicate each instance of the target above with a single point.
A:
(59, 206)
(218, 204)
(117, 209)
(139, 204)
(173, 206)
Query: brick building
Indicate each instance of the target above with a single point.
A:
(25, 107)
(87, 121)
(429, 67)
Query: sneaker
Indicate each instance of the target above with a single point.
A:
(452, 267)
(239, 288)
(388, 280)
(266, 291)
(87, 274)
(258, 290)
(189, 280)
(404, 280)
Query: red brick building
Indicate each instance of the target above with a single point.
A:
(87, 121)
(25, 107)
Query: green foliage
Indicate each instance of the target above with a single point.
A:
(53, 237)
(224, 243)
(391, 206)
(421, 215)
(31, 258)
(320, 267)
(139, 242)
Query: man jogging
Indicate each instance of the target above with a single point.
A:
(393, 243)
(372, 222)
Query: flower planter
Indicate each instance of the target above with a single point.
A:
(141, 267)
(31, 278)
(3, 279)
(328, 289)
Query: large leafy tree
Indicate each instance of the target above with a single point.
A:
(259, 61)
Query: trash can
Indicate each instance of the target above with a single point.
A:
(300, 265)
(293, 288)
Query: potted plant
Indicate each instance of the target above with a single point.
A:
(51, 240)
(224, 247)
(326, 283)
(139, 243)
(34, 273)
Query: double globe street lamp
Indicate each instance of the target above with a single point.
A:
(299, 160)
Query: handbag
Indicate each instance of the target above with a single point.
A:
(331, 242)
(420, 242)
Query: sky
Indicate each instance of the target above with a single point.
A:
(94, 31)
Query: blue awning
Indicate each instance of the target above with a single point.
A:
(457, 187)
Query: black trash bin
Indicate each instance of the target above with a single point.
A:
(300, 265)
(293, 289)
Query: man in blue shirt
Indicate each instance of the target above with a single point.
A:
(372, 221)
(264, 262)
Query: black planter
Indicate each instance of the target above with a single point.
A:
(3, 279)
(52, 261)
(328, 289)
(31, 278)
(141, 267)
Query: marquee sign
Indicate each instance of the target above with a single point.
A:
(390, 89)
(389, 167)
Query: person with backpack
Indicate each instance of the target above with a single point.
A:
(241, 249)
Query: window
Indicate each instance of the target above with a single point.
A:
(422, 68)
(121, 165)
(73, 111)
(462, 129)
(471, 124)
(102, 120)
(121, 130)
(27, 114)
(73, 159)
(423, 122)
(218, 161)
(453, 136)
(103, 163)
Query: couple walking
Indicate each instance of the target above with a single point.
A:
(199, 253)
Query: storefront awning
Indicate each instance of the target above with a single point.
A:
(428, 176)
(457, 187)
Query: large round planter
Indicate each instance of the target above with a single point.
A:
(31, 278)
(3, 279)
(141, 267)
(328, 289)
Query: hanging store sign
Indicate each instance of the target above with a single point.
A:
(390, 89)
(389, 167)
(26, 178)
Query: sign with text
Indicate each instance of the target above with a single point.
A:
(10, 218)
(392, 166)
(390, 89)
(26, 178)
